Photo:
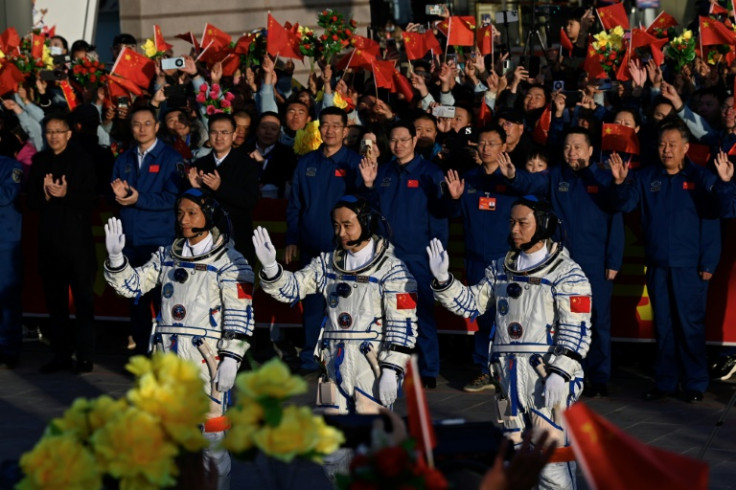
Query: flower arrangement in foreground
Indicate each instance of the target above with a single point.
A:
(86, 71)
(134, 439)
(307, 139)
(214, 99)
(337, 32)
(260, 422)
(610, 48)
(681, 49)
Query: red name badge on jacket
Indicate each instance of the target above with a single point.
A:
(412, 183)
(688, 186)
(154, 169)
(487, 203)
(340, 172)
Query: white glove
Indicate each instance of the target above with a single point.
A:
(226, 372)
(115, 241)
(439, 261)
(265, 251)
(556, 390)
(388, 387)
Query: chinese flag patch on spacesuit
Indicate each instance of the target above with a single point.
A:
(245, 290)
(580, 304)
(406, 301)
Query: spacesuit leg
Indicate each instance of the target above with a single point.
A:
(220, 457)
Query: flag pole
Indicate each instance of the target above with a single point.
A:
(348, 67)
(375, 80)
(493, 48)
(449, 29)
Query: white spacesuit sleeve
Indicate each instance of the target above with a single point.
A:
(236, 285)
(290, 287)
(468, 302)
(400, 316)
(573, 304)
(134, 283)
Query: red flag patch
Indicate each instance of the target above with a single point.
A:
(412, 183)
(245, 290)
(154, 169)
(406, 301)
(340, 172)
(580, 304)
(688, 186)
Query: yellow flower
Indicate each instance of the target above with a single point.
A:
(245, 420)
(59, 462)
(170, 388)
(304, 30)
(339, 101)
(47, 59)
(618, 31)
(149, 48)
(273, 379)
(104, 409)
(330, 438)
(295, 435)
(74, 421)
(687, 34)
(134, 446)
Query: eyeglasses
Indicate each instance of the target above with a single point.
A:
(403, 141)
(57, 131)
(220, 133)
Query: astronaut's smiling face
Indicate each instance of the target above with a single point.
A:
(190, 217)
(347, 228)
(522, 224)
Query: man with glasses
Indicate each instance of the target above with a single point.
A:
(408, 192)
(146, 184)
(321, 178)
(232, 178)
(518, 142)
(62, 188)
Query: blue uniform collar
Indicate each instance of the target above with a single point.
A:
(410, 166)
(337, 156)
(687, 170)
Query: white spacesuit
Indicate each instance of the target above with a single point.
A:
(206, 310)
(370, 322)
(542, 333)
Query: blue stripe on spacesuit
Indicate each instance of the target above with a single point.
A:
(513, 389)
(339, 358)
(465, 303)
(546, 419)
(368, 396)
(550, 340)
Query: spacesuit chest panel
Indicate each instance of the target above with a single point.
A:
(524, 311)
(353, 304)
(191, 296)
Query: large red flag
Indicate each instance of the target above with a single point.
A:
(715, 32)
(135, 67)
(383, 74)
(541, 127)
(641, 38)
(357, 58)
(614, 15)
(565, 42)
(592, 64)
(459, 33)
(220, 39)
(122, 87)
(280, 41)
(420, 423)
(159, 41)
(10, 78)
(403, 86)
(366, 44)
(9, 40)
(611, 459)
(485, 39)
(661, 23)
(431, 42)
(37, 43)
(620, 138)
(414, 45)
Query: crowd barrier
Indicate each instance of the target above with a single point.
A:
(631, 311)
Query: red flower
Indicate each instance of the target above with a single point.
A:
(307, 46)
(359, 460)
(324, 12)
(348, 32)
(353, 23)
(613, 55)
(390, 461)
(323, 37)
(93, 78)
(334, 37)
(334, 18)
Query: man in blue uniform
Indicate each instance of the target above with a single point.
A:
(11, 175)
(408, 192)
(321, 178)
(146, 181)
(484, 199)
(682, 243)
(593, 232)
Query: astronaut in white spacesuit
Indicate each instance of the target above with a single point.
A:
(206, 305)
(370, 321)
(542, 328)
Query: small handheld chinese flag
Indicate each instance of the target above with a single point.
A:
(620, 138)
(614, 15)
(420, 423)
(158, 39)
(565, 42)
(459, 32)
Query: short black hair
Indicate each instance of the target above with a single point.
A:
(427, 116)
(142, 108)
(63, 40)
(58, 116)
(673, 124)
(268, 114)
(634, 113)
(403, 124)
(123, 38)
(334, 111)
(580, 130)
(81, 45)
(221, 116)
(494, 128)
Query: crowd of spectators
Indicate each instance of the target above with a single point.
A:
(473, 134)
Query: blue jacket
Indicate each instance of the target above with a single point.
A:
(11, 175)
(677, 215)
(410, 198)
(592, 229)
(151, 220)
(318, 183)
(486, 208)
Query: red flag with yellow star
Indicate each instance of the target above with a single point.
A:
(135, 67)
(715, 32)
(280, 41)
(37, 43)
(159, 41)
(620, 138)
(611, 459)
(485, 39)
(220, 39)
(614, 15)
(366, 44)
(661, 23)
(121, 87)
(357, 58)
(592, 64)
(414, 45)
(460, 32)
(641, 38)
(383, 74)
(541, 127)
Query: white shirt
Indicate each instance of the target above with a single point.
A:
(218, 161)
(527, 261)
(354, 261)
(142, 156)
(197, 249)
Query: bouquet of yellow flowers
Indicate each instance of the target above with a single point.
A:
(149, 49)
(610, 47)
(681, 49)
(260, 421)
(134, 440)
(307, 139)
